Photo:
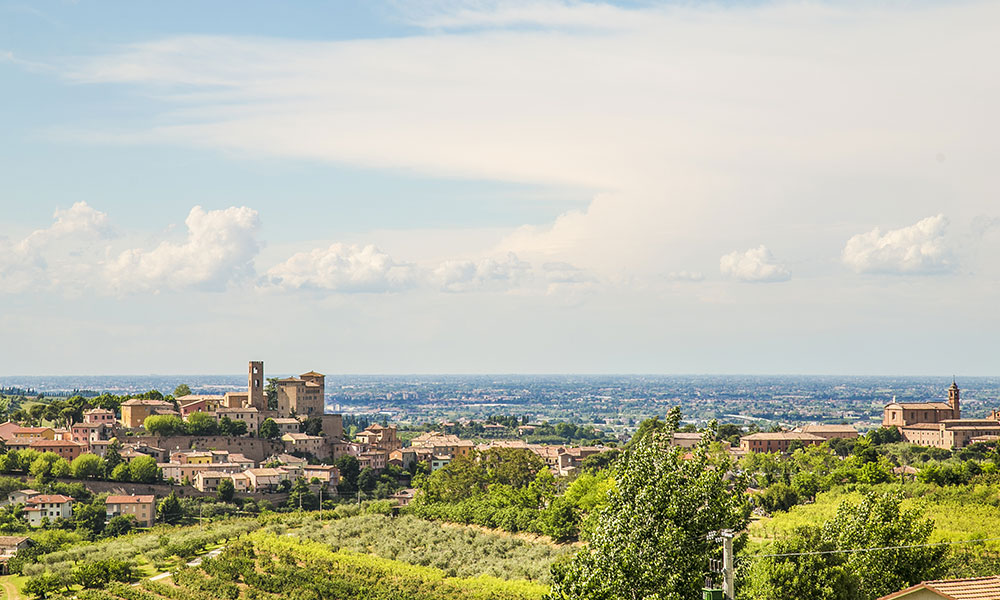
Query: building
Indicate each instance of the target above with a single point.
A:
(100, 416)
(829, 432)
(51, 507)
(300, 442)
(403, 458)
(265, 480)
(374, 459)
(443, 444)
(404, 496)
(143, 508)
(64, 448)
(287, 425)
(136, 410)
(35, 433)
(303, 395)
(977, 588)
(193, 403)
(901, 414)
(778, 441)
(324, 473)
(381, 437)
(939, 424)
(87, 433)
(20, 496)
(249, 415)
(439, 461)
(685, 439)
(9, 547)
(208, 481)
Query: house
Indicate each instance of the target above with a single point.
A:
(373, 459)
(301, 442)
(384, 438)
(193, 403)
(778, 441)
(977, 588)
(20, 496)
(685, 439)
(404, 497)
(287, 425)
(325, 473)
(51, 507)
(64, 448)
(143, 508)
(249, 415)
(208, 481)
(439, 461)
(443, 444)
(7, 429)
(9, 547)
(242, 461)
(135, 411)
(101, 416)
(829, 432)
(265, 480)
(403, 458)
(35, 433)
(88, 433)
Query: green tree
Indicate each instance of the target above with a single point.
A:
(200, 423)
(803, 574)
(164, 425)
(367, 479)
(112, 456)
(143, 469)
(86, 466)
(226, 490)
(349, 471)
(269, 429)
(169, 510)
(120, 525)
(182, 390)
(121, 473)
(88, 517)
(651, 538)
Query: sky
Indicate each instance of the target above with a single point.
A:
(469, 186)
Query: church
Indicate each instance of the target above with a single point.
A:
(940, 424)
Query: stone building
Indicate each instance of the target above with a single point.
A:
(901, 414)
(303, 395)
(136, 410)
(939, 424)
(778, 441)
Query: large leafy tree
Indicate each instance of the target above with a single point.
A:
(843, 572)
(143, 469)
(269, 429)
(164, 425)
(651, 540)
(87, 466)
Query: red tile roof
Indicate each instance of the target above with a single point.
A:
(978, 588)
(130, 499)
(49, 499)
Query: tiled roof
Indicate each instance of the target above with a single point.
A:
(783, 435)
(829, 428)
(130, 499)
(49, 499)
(978, 588)
(9, 541)
(923, 405)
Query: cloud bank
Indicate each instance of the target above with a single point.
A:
(920, 249)
(343, 268)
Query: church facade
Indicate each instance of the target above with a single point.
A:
(939, 424)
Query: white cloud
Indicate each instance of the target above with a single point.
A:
(343, 268)
(920, 249)
(754, 265)
(494, 274)
(52, 256)
(668, 117)
(686, 276)
(220, 249)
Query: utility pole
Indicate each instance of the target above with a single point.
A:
(727, 564)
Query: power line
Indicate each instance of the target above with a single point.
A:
(850, 550)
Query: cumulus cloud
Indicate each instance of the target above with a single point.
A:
(220, 249)
(52, 255)
(343, 268)
(484, 274)
(754, 265)
(920, 249)
(685, 276)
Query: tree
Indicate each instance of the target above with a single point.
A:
(121, 473)
(120, 525)
(182, 390)
(89, 517)
(226, 490)
(164, 425)
(143, 469)
(86, 466)
(200, 423)
(269, 429)
(878, 521)
(169, 510)
(349, 471)
(112, 456)
(367, 479)
(651, 538)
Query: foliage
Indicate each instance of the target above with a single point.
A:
(143, 469)
(269, 429)
(651, 539)
(226, 490)
(164, 425)
(169, 509)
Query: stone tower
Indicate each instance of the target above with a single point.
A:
(255, 385)
(953, 394)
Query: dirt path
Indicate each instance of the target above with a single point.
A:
(9, 589)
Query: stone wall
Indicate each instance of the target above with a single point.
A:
(254, 448)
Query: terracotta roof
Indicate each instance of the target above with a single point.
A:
(64, 443)
(978, 588)
(98, 411)
(130, 499)
(829, 428)
(312, 374)
(146, 402)
(921, 426)
(923, 405)
(9, 541)
(783, 435)
(49, 499)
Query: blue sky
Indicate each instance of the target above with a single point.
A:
(478, 186)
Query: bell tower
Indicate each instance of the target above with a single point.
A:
(255, 385)
(953, 394)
